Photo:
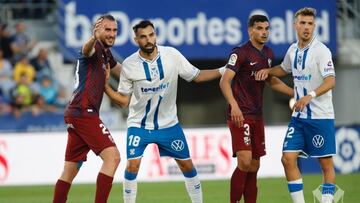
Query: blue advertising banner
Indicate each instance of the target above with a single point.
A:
(202, 29)
(347, 159)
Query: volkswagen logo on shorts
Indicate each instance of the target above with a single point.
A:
(318, 141)
(177, 145)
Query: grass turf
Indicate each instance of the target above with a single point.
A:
(271, 190)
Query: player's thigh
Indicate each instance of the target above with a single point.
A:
(257, 139)
(294, 140)
(320, 137)
(240, 137)
(172, 142)
(136, 142)
(76, 147)
(93, 132)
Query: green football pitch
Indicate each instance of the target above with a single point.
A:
(271, 190)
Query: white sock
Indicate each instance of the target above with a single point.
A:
(327, 198)
(129, 190)
(193, 187)
(297, 195)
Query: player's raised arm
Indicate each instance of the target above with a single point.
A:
(88, 48)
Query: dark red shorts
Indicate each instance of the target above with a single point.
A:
(85, 134)
(249, 137)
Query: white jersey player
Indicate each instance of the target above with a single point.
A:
(148, 83)
(311, 131)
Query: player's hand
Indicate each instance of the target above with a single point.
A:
(301, 103)
(236, 116)
(98, 28)
(262, 74)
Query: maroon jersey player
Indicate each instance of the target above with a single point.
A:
(245, 115)
(85, 129)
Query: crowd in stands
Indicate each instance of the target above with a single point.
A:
(26, 84)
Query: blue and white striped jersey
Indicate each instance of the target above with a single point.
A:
(309, 66)
(153, 87)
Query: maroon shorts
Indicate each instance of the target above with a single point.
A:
(249, 137)
(85, 134)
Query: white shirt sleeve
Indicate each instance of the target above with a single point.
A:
(286, 63)
(125, 84)
(186, 70)
(325, 63)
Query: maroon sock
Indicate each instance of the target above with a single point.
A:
(103, 187)
(61, 191)
(250, 192)
(237, 184)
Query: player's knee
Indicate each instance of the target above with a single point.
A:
(132, 168)
(244, 164)
(288, 161)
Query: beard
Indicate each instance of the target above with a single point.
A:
(148, 48)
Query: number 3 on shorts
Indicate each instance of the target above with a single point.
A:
(134, 140)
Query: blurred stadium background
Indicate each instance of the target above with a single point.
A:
(45, 35)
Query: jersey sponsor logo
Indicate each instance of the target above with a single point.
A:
(232, 60)
(177, 145)
(149, 90)
(269, 62)
(318, 141)
(302, 77)
(247, 140)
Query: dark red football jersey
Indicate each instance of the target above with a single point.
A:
(89, 82)
(245, 60)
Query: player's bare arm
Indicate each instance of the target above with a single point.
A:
(116, 70)
(225, 86)
(328, 84)
(88, 48)
(116, 97)
(274, 71)
(207, 75)
(278, 85)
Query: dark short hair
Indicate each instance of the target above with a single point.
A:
(108, 17)
(257, 18)
(306, 11)
(142, 24)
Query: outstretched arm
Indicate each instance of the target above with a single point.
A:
(206, 75)
(225, 86)
(274, 71)
(278, 85)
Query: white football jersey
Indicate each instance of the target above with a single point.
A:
(309, 66)
(153, 87)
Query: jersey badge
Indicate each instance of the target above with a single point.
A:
(232, 60)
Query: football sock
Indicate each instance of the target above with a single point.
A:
(61, 191)
(296, 191)
(328, 191)
(103, 187)
(193, 186)
(237, 184)
(129, 187)
(250, 190)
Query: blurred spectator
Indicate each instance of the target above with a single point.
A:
(23, 66)
(42, 65)
(5, 42)
(23, 95)
(21, 43)
(5, 108)
(6, 82)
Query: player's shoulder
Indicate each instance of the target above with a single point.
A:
(319, 46)
(167, 49)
